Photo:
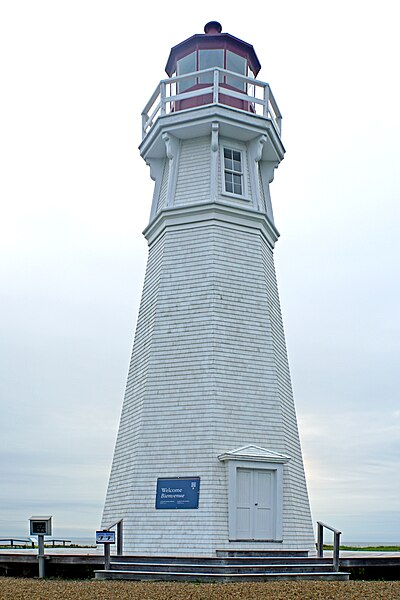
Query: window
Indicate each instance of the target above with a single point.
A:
(208, 58)
(187, 64)
(233, 171)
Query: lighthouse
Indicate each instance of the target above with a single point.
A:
(208, 455)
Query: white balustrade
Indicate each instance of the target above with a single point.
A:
(256, 94)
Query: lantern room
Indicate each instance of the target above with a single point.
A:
(215, 70)
(206, 52)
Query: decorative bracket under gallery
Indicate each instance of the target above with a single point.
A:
(172, 149)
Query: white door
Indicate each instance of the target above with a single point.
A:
(254, 504)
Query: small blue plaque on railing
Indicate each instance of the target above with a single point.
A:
(105, 537)
(182, 492)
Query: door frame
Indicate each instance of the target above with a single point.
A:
(277, 496)
(256, 457)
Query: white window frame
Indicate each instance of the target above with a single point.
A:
(242, 151)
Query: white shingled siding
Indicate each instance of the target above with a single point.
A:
(208, 374)
(118, 501)
(295, 490)
(261, 188)
(193, 182)
(162, 199)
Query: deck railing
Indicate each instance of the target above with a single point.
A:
(16, 542)
(336, 543)
(169, 93)
(120, 535)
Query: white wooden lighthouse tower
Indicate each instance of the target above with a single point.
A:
(208, 454)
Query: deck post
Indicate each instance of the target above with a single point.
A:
(41, 556)
(320, 541)
(336, 548)
(107, 557)
(120, 538)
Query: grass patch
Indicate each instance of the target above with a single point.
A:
(366, 548)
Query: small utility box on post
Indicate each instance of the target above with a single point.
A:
(107, 538)
(40, 526)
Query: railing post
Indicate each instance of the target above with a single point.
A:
(163, 96)
(320, 540)
(266, 101)
(120, 536)
(120, 543)
(144, 120)
(216, 86)
(336, 548)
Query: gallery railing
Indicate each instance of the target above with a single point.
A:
(336, 543)
(214, 86)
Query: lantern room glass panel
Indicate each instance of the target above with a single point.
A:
(209, 59)
(237, 64)
(187, 64)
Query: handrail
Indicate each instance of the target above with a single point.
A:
(19, 541)
(120, 535)
(57, 540)
(336, 543)
(256, 92)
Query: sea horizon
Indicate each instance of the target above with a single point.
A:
(91, 540)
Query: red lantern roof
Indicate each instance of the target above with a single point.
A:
(213, 39)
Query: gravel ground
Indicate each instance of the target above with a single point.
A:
(34, 589)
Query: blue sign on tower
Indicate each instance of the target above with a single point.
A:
(182, 492)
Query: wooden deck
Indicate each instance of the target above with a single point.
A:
(73, 565)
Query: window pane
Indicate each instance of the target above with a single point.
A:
(237, 189)
(187, 64)
(228, 182)
(237, 64)
(237, 179)
(208, 59)
(236, 155)
(237, 166)
(228, 164)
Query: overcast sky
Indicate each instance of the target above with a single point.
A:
(75, 196)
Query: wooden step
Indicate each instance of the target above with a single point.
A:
(221, 568)
(210, 560)
(237, 553)
(209, 577)
(228, 565)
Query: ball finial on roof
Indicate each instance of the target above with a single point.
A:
(212, 28)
